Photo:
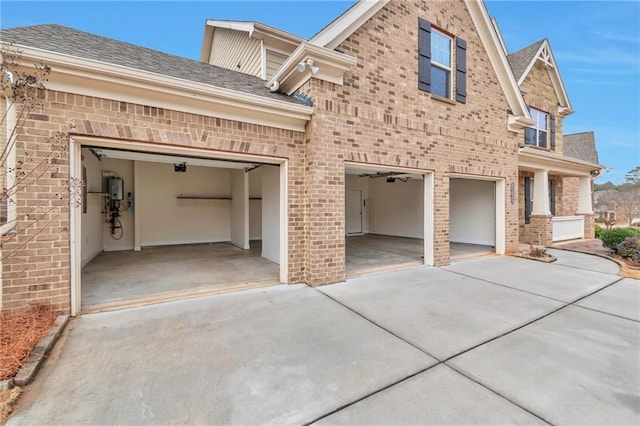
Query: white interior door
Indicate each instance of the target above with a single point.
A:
(354, 211)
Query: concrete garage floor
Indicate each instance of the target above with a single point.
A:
(370, 253)
(494, 340)
(112, 279)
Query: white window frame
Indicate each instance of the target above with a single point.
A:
(536, 114)
(448, 69)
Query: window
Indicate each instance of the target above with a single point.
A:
(435, 63)
(440, 64)
(537, 135)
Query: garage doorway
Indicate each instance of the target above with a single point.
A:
(473, 217)
(388, 218)
(157, 226)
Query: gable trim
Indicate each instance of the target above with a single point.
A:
(519, 115)
(545, 54)
(347, 23)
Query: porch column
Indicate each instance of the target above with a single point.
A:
(584, 196)
(541, 193)
(585, 207)
(541, 228)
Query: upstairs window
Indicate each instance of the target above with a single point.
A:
(440, 64)
(435, 63)
(542, 133)
(537, 135)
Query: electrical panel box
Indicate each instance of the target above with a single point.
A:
(116, 188)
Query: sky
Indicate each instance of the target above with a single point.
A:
(596, 46)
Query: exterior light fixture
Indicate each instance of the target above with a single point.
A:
(302, 65)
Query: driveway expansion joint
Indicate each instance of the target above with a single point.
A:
(370, 394)
(380, 326)
(563, 306)
(495, 392)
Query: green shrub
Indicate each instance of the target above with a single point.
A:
(598, 232)
(612, 237)
(630, 248)
(599, 219)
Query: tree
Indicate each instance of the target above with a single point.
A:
(633, 176)
(604, 186)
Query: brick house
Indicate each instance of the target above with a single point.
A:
(389, 139)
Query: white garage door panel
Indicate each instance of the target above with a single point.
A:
(472, 212)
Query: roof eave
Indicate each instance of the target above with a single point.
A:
(533, 158)
(73, 70)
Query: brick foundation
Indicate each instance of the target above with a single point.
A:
(589, 226)
(541, 230)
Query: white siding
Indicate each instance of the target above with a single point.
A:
(231, 48)
(274, 60)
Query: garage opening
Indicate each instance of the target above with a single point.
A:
(159, 227)
(384, 219)
(472, 218)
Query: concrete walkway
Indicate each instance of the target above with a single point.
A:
(497, 340)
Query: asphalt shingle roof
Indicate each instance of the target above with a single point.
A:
(581, 146)
(65, 40)
(520, 59)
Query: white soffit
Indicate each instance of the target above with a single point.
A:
(332, 66)
(169, 159)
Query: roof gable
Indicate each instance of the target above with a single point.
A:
(354, 17)
(523, 60)
(274, 38)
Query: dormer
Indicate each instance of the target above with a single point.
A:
(248, 47)
(542, 88)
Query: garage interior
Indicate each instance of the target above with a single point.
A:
(384, 220)
(472, 218)
(157, 226)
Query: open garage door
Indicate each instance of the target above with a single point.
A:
(159, 227)
(472, 217)
(384, 219)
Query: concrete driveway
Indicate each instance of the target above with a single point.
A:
(497, 340)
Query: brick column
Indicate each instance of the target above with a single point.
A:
(589, 226)
(541, 230)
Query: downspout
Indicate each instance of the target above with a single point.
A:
(10, 176)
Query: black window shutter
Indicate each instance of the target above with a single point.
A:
(552, 197)
(552, 131)
(461, 70)
(424, 55)
(528, 202)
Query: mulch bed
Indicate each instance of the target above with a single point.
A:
(19, 334)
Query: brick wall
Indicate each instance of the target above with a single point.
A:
(570, 191)
(38, 268)
(380, 117)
